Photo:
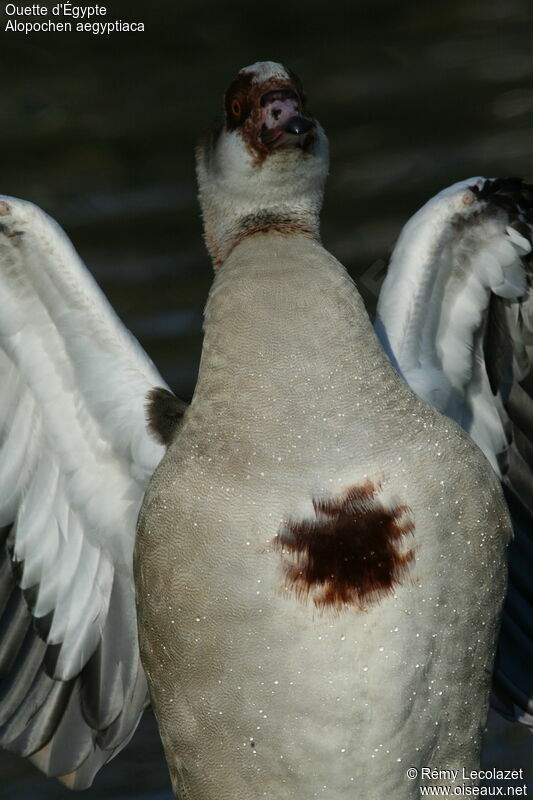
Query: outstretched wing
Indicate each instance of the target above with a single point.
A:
(75, 459)
(455, 315)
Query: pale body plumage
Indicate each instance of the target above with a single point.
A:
(331, 700)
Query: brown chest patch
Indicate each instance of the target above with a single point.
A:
(352, 553)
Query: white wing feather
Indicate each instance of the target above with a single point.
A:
(451, 256)
(75, 460)
(455, 316)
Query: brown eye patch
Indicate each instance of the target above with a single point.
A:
(237, 101)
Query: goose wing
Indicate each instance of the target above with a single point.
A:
(75, 459)
(455, 315)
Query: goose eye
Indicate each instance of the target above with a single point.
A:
(235, 108)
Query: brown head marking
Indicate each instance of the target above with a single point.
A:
(242, 107)
(351, 553)
(239, 91)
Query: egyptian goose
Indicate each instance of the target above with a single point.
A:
(320, 555)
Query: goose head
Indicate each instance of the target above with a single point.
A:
(264, 166)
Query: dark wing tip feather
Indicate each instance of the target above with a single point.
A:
(513, 678)
(514, 196)
(17, 567)
(51, 657)
(516, 189)
(497, 343)
(164, 413)
(66, 726)
(43, 625)
(15, 621)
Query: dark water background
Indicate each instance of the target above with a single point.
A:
(100, 131)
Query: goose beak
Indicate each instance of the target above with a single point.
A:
(293, 131)
(282, 121)
(298, 125)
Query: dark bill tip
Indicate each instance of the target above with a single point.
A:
(298, 125)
